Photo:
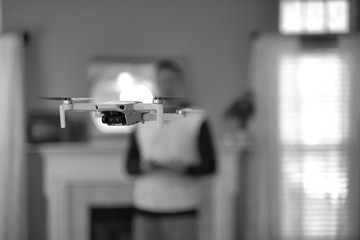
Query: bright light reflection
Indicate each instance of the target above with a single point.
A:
(125, 81)
(130, 90)
(137, 93)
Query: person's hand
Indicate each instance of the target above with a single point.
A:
(174, 166)
(150, 166)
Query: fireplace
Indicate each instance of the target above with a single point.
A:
(111, 223)
(80, 178)
(88, 193)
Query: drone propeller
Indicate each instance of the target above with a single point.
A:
(156, 99)
(168, 97)
(160, 99)
(193, 110)
(66, 99)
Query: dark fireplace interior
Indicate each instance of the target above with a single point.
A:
(111, 223)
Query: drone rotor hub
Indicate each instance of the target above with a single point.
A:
(157, 100)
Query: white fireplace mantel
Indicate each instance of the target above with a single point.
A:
(80, 175)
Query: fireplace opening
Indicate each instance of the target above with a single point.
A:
(111, 223)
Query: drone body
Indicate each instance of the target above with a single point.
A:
(119, 113)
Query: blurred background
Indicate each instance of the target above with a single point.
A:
(279, 79)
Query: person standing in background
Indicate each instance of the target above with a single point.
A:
(167, 163)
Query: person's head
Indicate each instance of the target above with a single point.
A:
(170, 79)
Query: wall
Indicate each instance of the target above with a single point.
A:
(213, 37)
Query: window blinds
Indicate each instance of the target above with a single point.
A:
(313, 129)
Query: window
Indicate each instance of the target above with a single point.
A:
(313, 125)
(314, 16)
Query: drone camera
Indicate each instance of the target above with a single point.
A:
(113, 118)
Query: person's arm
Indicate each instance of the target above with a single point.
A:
(134, 165)
(133, 157)
(207, 163)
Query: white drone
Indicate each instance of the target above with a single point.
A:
(118, 113)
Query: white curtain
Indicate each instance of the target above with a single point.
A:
(262, 203)
(323, 199)
(350, 50)
(12, 174)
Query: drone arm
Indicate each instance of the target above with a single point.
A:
(156, 107)
(166, 116)
(149, 117)
(84, 107)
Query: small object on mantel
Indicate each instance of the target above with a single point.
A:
(242, 110)
(238, 139)
(238, 117)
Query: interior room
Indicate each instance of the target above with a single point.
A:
(268, 88)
